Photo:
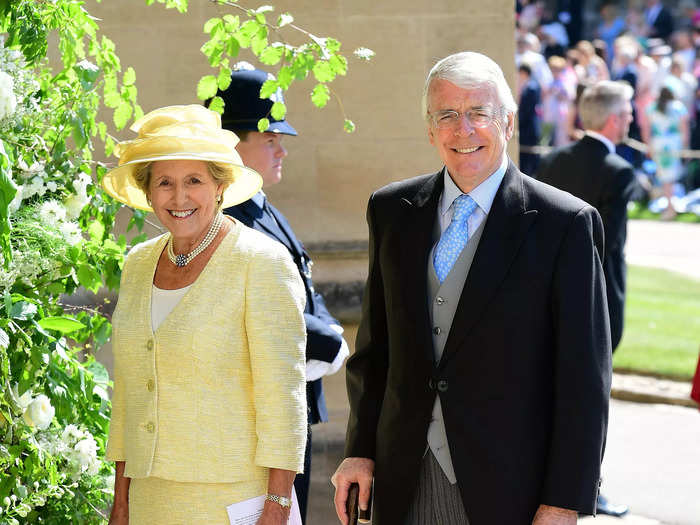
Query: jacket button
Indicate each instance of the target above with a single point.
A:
(150, 385)
(437, 330)
(442, 385)
(440, 300)
(150, 427)
(149, 345)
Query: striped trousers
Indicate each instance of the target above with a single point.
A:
(436, 501)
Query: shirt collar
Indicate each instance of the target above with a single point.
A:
(605, 140)
(483, 194)
(259, 199)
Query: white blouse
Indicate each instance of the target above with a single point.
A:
(163, 302)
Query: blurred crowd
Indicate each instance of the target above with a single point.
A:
(653, 46)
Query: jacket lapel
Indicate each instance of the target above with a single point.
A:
(505, 229)
(416, 242)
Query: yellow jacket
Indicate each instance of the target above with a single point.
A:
(217, 394)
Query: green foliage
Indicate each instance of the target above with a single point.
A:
(252, 29)
(55, 236)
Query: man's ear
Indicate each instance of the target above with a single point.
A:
(510, 126)
(431, 137)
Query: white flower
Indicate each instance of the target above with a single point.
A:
(39, 413)
(71, 434)
(8, 101)
(51, 186)
(25, 399)
(86, 450)
(51, 212)
(363, 53)
(17, 201)
(81, 183)
(87, 65)
(74, 205)
(71, 232)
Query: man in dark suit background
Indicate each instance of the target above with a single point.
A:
(659, 20)
(591, 170)
(529, 128)
(325, 347)
(480, 382)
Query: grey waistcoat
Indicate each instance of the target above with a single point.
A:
(442, 303)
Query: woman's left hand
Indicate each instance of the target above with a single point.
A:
(273, 514)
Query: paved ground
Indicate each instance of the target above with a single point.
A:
(671, 245)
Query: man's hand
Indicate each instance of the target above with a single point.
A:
(547, 515)
(352, 470)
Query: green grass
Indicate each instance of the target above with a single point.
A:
(662, 323)
(637, 211)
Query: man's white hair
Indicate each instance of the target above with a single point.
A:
(469, 70)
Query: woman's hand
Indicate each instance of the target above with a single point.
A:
(273, 514)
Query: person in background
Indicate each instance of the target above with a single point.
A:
(208, 406)
(591, 170)
(666, 133)
(595, 66)
(326, 349)
(528, 117)
(558, 99)
(659, 22)
(611, 26)
(480, 383)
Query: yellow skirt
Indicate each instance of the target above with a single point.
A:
(156, 501)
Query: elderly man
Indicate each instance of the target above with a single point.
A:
(479, 386)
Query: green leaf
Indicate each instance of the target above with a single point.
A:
(232, 22)
(332, 45)
(349, 126)
(278, 111)
(263, 125)
(23, 310)
(4, 339)
(224, 79)
(285, 77)
(62, 324)
(323, 71)
(217, 104)
(206, 87)
(129, 78)
(89, 277)
(210, 24)
(268, 88)
(8, 190)
(272, 54)
(96, 230)
(259, 41)
(122, 114)
(112, 99)
(320, 95)
(284, 19)
(339, 64)
(102, 130)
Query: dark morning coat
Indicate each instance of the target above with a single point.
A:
(526, 367)
(606, 181)
(322, 342)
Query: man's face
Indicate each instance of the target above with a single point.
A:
(471, 154)
(264, 153)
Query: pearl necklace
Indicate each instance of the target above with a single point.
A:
(180, 260)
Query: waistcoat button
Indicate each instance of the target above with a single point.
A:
(149, 345)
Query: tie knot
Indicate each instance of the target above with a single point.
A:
(464, 206)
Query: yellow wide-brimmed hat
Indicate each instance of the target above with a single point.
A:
(179, 133)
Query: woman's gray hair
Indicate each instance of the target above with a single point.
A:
(469, 70)
(601, 100)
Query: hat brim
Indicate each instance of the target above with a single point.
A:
(120, 184)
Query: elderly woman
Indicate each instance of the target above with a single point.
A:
(209, 400)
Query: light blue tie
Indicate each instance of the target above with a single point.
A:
(455, 237)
